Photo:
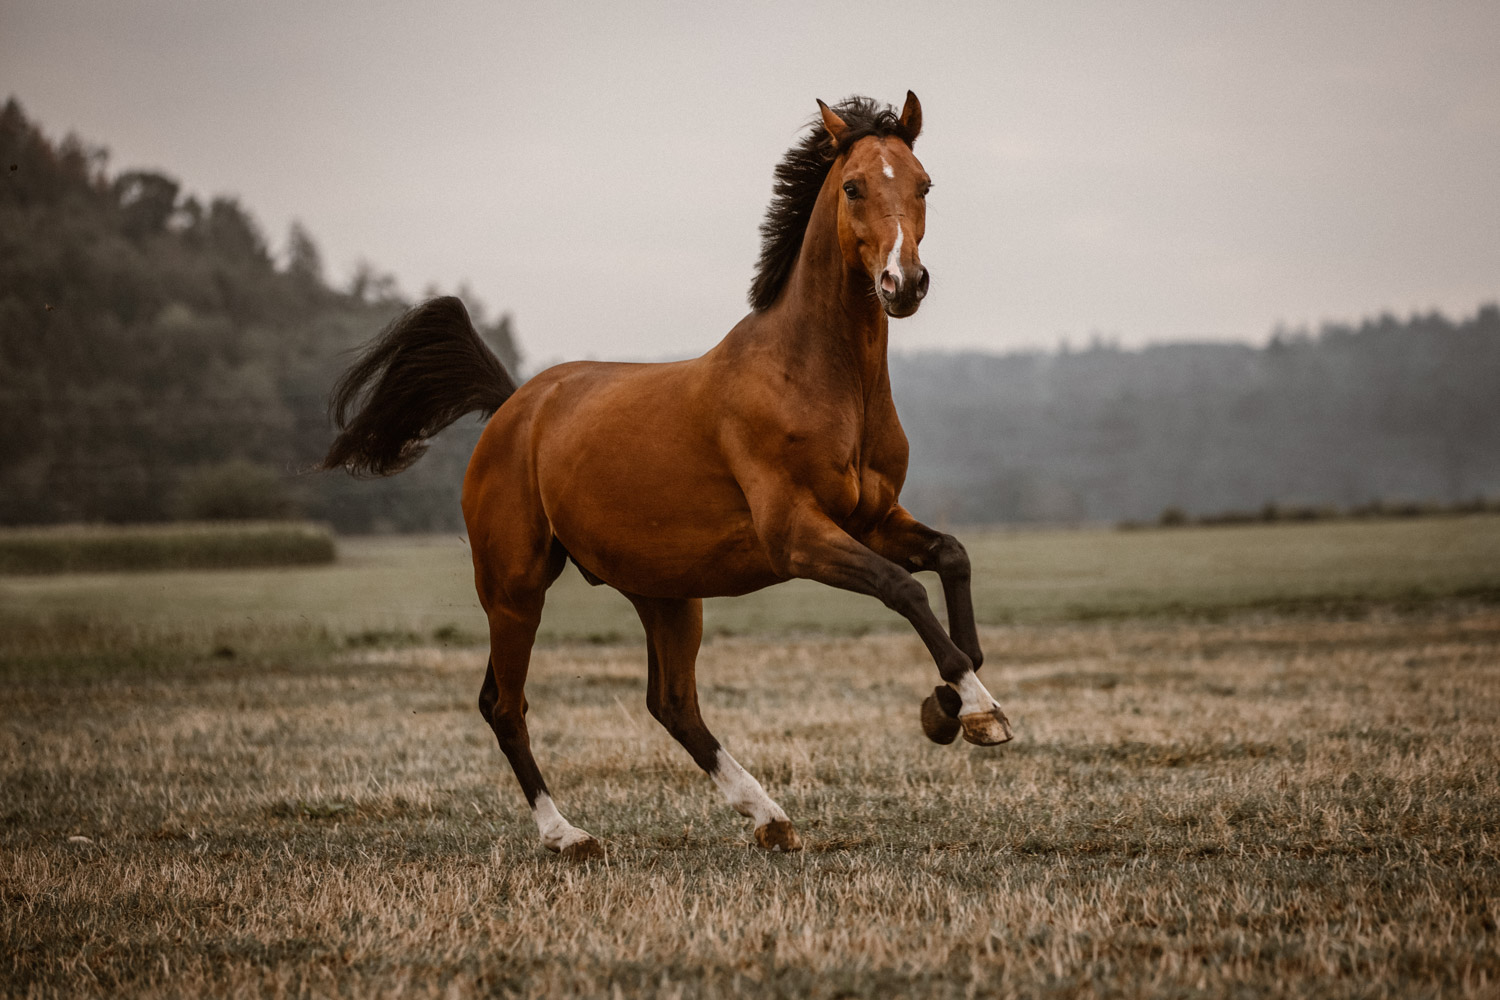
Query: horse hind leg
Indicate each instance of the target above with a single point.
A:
(674, 631)
(502, 702)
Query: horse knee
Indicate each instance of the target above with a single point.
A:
(952, 559)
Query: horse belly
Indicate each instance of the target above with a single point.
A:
(656, 525)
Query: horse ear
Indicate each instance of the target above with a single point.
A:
(911, 117)
(832, 122)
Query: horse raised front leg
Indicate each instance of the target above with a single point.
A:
(911, 544)
(674, 631)
(817, 549)
(914, 546)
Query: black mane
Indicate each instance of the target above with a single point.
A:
(799, 178)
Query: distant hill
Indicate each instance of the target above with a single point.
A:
(1388, 410)
(157, 359)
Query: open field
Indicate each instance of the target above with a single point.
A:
(1264, 807)
(1207, 796)
(390, 589)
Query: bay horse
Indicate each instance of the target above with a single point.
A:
(777, 454)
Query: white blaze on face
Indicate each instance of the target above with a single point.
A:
(743, 792)
(557, 833)
(975, 697)
(893, 259)
(885, 168)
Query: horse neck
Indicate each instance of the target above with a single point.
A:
(828, 318)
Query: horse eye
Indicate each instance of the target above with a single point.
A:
(851, 189)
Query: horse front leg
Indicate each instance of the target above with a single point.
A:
(911, 544)
(811, 546)
(914, 546)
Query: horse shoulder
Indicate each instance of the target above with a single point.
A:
(798, 447)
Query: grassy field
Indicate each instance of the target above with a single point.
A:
(400, 589)
(1208, 796)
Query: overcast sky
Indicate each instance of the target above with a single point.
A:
(1149, 172)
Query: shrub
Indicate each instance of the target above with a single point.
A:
(85, 548)
(236, 490)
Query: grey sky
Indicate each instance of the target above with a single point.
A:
(1148, 171)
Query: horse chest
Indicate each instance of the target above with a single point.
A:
(866, 485)
(879, 483)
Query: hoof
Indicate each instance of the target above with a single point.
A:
(778, 835)
(986, 729)
(939, 726)
(587, 849)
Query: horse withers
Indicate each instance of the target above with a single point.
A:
(777, 454)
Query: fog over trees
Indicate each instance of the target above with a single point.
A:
(1388, 410)
(159, 360)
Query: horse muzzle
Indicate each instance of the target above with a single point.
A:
(901, 289)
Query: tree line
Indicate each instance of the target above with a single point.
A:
(159, 361)
(1386, 411)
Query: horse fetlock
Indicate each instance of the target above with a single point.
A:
(972, 695)
(749, 808)
(743, 792)
(979, 713)
(956, 670)
(778, 835)
(559, 835)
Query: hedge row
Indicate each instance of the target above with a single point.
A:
(220, 545)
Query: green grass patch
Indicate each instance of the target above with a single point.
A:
(404, 591)
(112, 548)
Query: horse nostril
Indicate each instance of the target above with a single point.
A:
(887, 282)
(922, 283)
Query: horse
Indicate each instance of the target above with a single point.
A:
(776, 455)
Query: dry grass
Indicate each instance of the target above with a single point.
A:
(1261, 807)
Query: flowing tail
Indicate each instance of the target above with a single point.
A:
(424, 371)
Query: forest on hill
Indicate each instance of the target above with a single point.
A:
(158, 360)
(1386, 411)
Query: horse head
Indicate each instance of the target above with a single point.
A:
(882, 207)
